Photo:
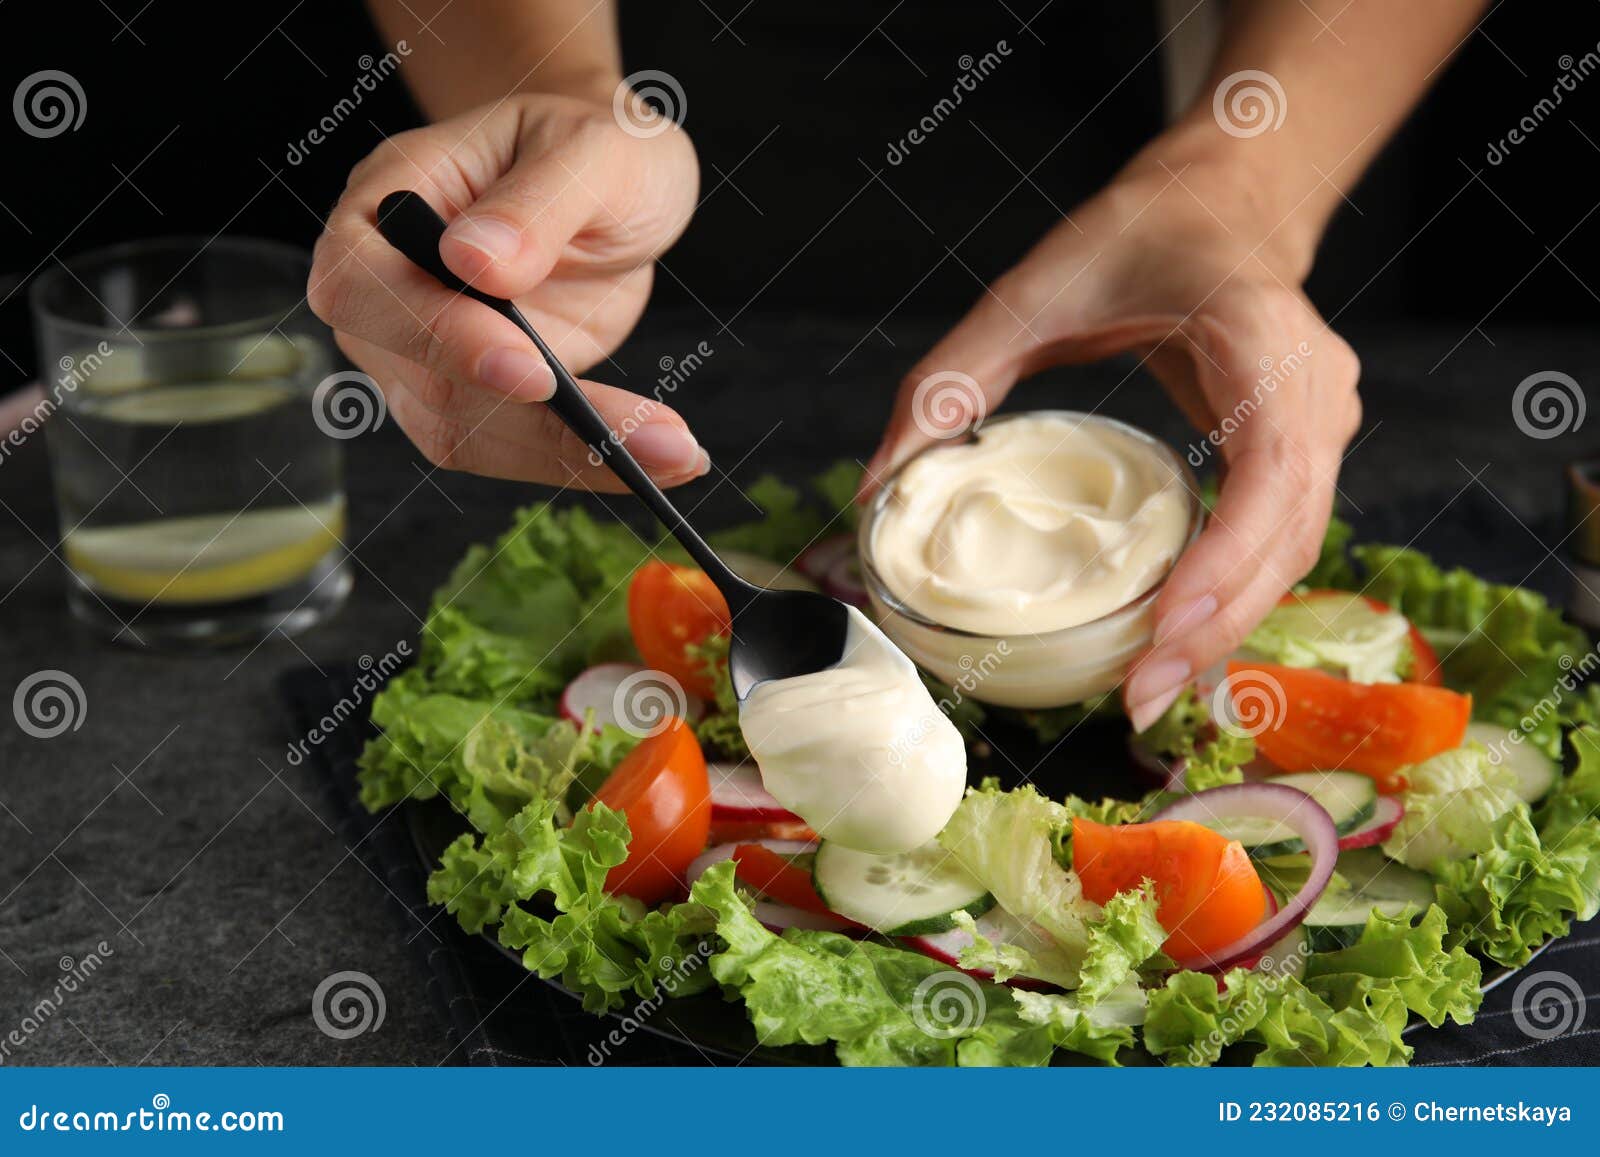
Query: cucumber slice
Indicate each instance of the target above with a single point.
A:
(1287, 957)
(1536, 772)
(1350, 799)
(907, 894)
(1376, 882)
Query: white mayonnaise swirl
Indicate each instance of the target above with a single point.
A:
(1044, 521)
(859, 750)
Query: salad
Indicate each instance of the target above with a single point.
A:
(1391, 785)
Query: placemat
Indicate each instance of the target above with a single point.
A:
(498, 1014)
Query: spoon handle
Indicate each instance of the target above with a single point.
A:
(409, 223)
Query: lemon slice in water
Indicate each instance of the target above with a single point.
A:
(206, 558)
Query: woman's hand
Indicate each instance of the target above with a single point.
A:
(551, 203)
(1183, 266)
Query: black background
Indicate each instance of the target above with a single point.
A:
(191, 109)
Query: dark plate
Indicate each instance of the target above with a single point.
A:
(1091, 761)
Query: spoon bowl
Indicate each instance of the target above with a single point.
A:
(777, 634)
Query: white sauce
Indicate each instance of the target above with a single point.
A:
(860, 751)
(1045, 521)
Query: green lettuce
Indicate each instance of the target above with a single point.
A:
(1508, 900)
(1452, 803)
(516, 621)
(488, 759)
(878, 1004)
(1341, 634)
(1008, 841)
(600, 946)
(1407, 951)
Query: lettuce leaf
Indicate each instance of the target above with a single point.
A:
(880, 1005)
(518, 620)
(1340, 634)
(1506, 901)
(488, 759)
(1190, 1023)
(1409, 952)
(1008, 839)
(1452, 803)
(601, 946)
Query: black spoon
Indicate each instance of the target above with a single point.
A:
(776, 633)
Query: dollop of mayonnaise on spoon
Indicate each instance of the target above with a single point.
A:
(859, 750)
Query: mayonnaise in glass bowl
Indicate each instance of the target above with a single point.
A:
(1021, 566)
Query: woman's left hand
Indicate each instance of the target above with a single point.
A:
(1183, 266)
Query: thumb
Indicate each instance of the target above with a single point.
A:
(510, 238)
(955, 386)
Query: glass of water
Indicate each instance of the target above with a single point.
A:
(201, 500)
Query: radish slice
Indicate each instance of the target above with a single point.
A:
(998, 927)
(737, 794)
(1274, 801)
(817, 559)
(1385, 817)
(776, 917)
(595, 689)
(843, 581)
(725, 852)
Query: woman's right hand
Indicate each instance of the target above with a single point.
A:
(550, 203)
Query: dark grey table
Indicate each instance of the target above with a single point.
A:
(172, 826)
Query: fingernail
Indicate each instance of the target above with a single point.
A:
(665, 447)
(705, 465)
(1184, 618)
(518, 374)
(1152, 688)
(1145, 714)
(496, 240)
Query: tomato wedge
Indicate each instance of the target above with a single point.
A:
(1324, 723)
(662, 788)
(768, 872)
(1207, 891)
(671, 608)
(1425, 660)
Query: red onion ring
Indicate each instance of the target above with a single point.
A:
(1274, 801)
